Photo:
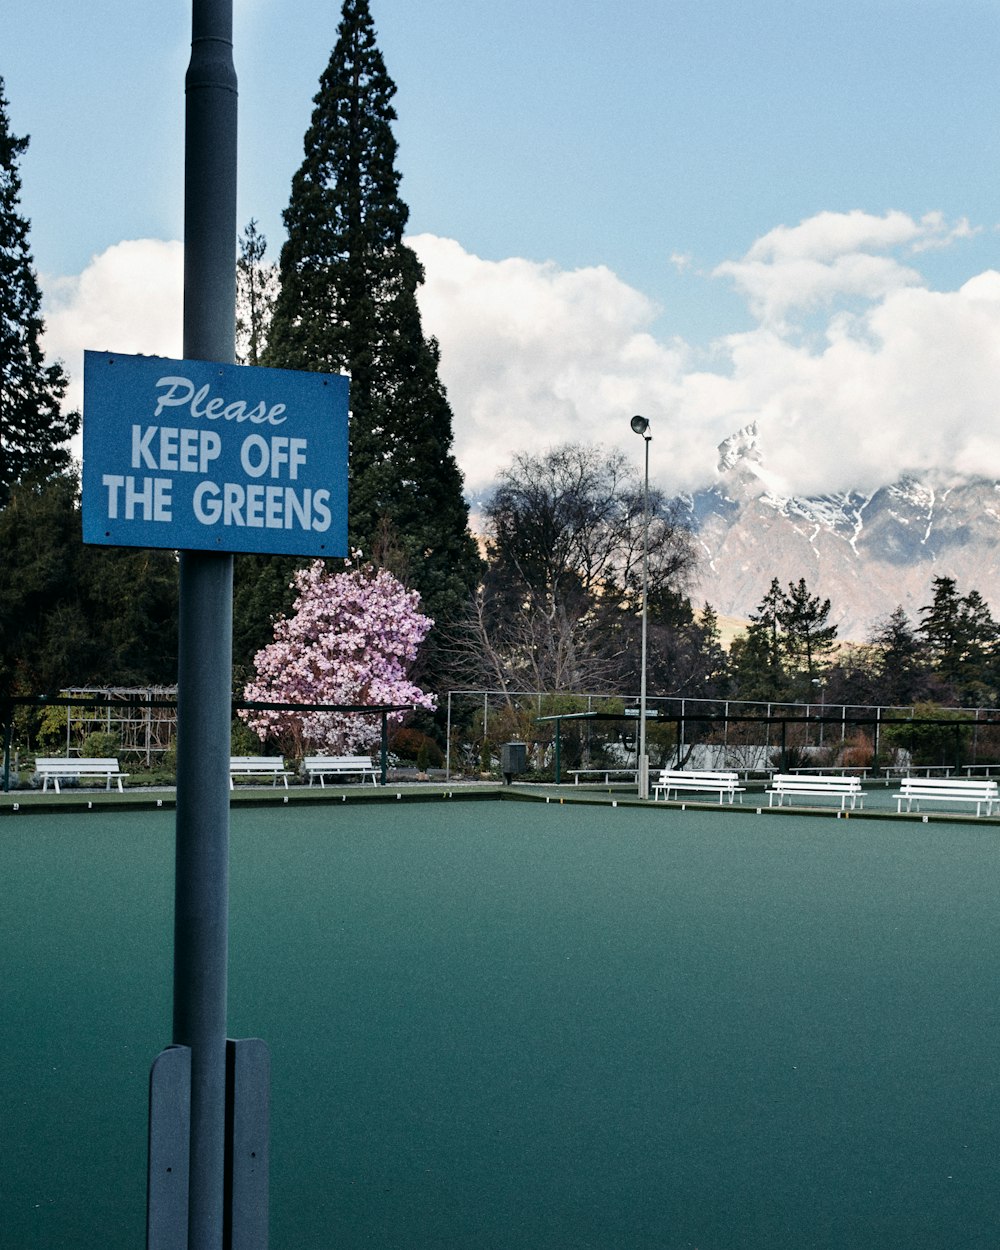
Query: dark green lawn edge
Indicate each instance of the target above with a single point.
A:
(19, 803)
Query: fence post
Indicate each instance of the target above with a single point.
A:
(7, 712)
(447, 743)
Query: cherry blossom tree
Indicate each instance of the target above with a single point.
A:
(350, 640)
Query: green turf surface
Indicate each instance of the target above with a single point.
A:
(507, 1025)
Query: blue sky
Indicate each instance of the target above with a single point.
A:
(741, 200)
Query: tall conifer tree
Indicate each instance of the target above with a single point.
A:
(32, 429)
(348, 303)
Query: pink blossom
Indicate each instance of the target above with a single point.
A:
(351, 639)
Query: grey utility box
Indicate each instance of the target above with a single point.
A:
(513, 760)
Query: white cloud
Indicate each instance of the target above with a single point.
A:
(899, 378)
(128, 299)
(910, 385)
(829, 235)
(534, 356)
(940, 234)
(826, 257)
(836, 256)
(895, 376)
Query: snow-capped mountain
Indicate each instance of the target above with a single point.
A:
(867, 553)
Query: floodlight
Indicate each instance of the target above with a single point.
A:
(640, 425)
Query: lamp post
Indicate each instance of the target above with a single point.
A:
(818, 681)
(641, 426)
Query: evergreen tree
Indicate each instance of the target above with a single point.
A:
(72, 615)
(348, 302)
(762, 665)
(980, 636)
(256, 289)
(899, 664)
(714, 660)
(808, 637)
(751, 660)
(262, 592)
(962, 639)
(32, 429)
(942, 628)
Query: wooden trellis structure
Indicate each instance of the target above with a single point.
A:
(144, 718)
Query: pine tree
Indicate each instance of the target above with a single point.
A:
(766, 643)
(256, 288)
(752, 664)
(33, 432)
(961, 638)
(348, 303)
(899, 660)
(713, 656)
(808, 637)
(77, 615)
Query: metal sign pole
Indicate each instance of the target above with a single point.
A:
(201, 918)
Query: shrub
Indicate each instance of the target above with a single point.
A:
(242, 740)
(858, 751)
(100, 746)
(405, 743)
(51, 729)
(412, 744)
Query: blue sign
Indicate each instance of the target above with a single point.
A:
(196, 456)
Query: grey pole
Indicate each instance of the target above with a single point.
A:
(641, 426)
(205, 634)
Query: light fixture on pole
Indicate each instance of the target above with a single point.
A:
(640, 425)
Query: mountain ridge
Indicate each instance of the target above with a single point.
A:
(868, 552)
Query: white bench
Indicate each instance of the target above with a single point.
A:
(629, 774)
(677, 779)
(56, 770)
(272, 766)
(794, 786)
(323, 766)
(947, 790)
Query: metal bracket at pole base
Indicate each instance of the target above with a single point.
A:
(169, 1150)
(248, 1111)
(246, 1213)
